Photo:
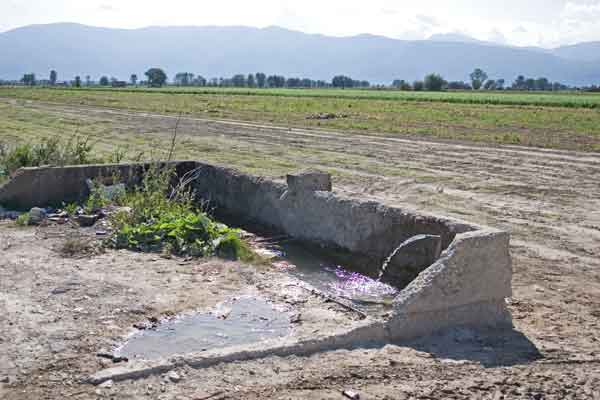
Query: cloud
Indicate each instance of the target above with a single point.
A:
(589, 12)
(497, 37)
(107, 7)
(427, 21)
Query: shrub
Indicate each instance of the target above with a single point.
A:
(163, 219)
(23, 219)
(434, 82)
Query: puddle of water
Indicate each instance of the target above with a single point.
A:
(243, 320)
(328, 277)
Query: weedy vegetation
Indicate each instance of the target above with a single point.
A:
(158, 217)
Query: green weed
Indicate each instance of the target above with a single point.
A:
(23, 220)
(161, 218)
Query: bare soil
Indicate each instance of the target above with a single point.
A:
(56, 312)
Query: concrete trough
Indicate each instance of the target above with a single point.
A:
(464, 286)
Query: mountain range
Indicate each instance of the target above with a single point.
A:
(213, 51)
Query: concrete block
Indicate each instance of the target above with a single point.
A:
(309, 181)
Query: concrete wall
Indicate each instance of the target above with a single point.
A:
(365, 227)
(49, 186)
(467, 285)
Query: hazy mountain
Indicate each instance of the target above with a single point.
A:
(211, 51)
(589, 51)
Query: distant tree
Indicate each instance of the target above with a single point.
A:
(156, 77)
(78, 81)
(490, 85)
(133, 79)
(307, 83)
(53, 77)
(250, 81)
(418, 86)
(261, 79)
(292, 82)
(557, 86)
(401, 84)
(238, 80)
(200, 81)
(459, 85)
(276, 81)
(530, 84)
(184, 78)
(88, 80)
(478, 78)
(500, 84)
(519, 83)
(104, 81)
(542, 84)
(434, 82)
(342, 81)
(28, 79)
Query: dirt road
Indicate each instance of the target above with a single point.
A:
(549, 200)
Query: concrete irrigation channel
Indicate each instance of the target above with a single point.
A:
(447, 273)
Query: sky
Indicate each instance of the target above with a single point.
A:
(544, 23)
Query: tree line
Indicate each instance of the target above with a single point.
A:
(156, 77)
(479, 81)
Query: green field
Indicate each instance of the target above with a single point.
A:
(564, 121)
(549, 99)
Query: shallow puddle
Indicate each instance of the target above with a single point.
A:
(239, 321)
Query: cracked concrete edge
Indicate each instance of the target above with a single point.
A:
(403, 328)
(364, 335)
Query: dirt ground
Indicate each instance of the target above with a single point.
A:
(56, 313)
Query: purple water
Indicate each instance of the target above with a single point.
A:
(355, 285)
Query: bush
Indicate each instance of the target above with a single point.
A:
(418, 86)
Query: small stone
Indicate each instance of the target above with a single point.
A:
(36, 216)
(5, 379)
(351, 394)
(173, 377)
(87, 220)
(106, 384)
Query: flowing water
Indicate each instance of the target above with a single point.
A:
(324, 274)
